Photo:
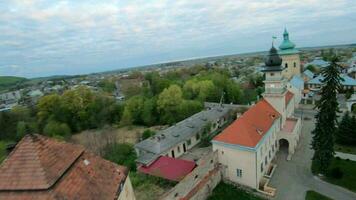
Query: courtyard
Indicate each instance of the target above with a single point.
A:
(294, 178)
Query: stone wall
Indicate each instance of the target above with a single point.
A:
(199, 184)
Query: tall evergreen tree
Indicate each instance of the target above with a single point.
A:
(325, 129)
(346, 133)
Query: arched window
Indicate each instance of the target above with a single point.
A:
(286, 65)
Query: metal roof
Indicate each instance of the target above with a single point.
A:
(297, 82)
(308, 73)
(348, 81)
(182, 131)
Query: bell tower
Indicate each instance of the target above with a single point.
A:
(290, 57)
(275, 85)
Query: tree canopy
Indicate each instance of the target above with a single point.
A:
(323, 134)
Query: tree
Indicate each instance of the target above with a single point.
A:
(21, 130)
(346, 133)
(56, 129)
(323, 134)
(168, 104)
(312, 68)
(122, 154)
(133, 110)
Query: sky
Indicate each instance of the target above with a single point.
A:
(65, 37)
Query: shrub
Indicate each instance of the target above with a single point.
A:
(336, 173)
(122, 154)
(147, 133)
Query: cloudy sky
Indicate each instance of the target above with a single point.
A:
(48, 37)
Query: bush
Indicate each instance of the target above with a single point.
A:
(336, 173)
(56, 129)
(147, 133)
(122, 154)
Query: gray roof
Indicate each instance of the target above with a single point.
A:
(182, 131)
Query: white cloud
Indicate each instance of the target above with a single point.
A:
(50, 31)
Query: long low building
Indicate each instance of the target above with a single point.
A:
(347, 82)
(179, 138)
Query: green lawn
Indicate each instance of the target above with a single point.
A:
(345, 148)
(312, 195)
(9, 81)
(227, 191)
(341, 172)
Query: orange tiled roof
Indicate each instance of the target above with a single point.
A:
(43, 168)
(251, 126)
(288, 97)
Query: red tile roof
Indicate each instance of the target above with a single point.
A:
(43, 168)
(251, 126)
(169, 168)
(288, 97)
(289, 125)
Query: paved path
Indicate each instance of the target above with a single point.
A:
(345, 155)
(293, 178)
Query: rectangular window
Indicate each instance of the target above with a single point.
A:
(262, 167)
(178, 149)
(239, 172)
(269, 154)
(266, 160)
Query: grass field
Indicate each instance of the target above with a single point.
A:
(345, 148)
(227, 191)
(348, 171)
(9, 81)
(312, 195)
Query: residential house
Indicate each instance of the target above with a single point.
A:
(347, 82)
(43, 168)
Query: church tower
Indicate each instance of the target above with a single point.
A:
(290, 57)
(275, 84)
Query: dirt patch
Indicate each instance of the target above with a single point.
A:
(96, 140)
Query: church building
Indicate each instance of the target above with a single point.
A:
(247, 148)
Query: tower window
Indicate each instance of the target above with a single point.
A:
(286, 65)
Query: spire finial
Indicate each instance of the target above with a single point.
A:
(273, 38)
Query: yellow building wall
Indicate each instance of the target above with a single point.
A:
(293, 63)
(127, 192)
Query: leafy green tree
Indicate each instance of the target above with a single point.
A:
(21, 130)
(187, 108)
(149, 113)
(54, 129)
(325, 129)
(134, 109)
(168, 104)
(107, 85)
(346, 133)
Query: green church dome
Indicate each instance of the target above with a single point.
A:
(286, 44)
